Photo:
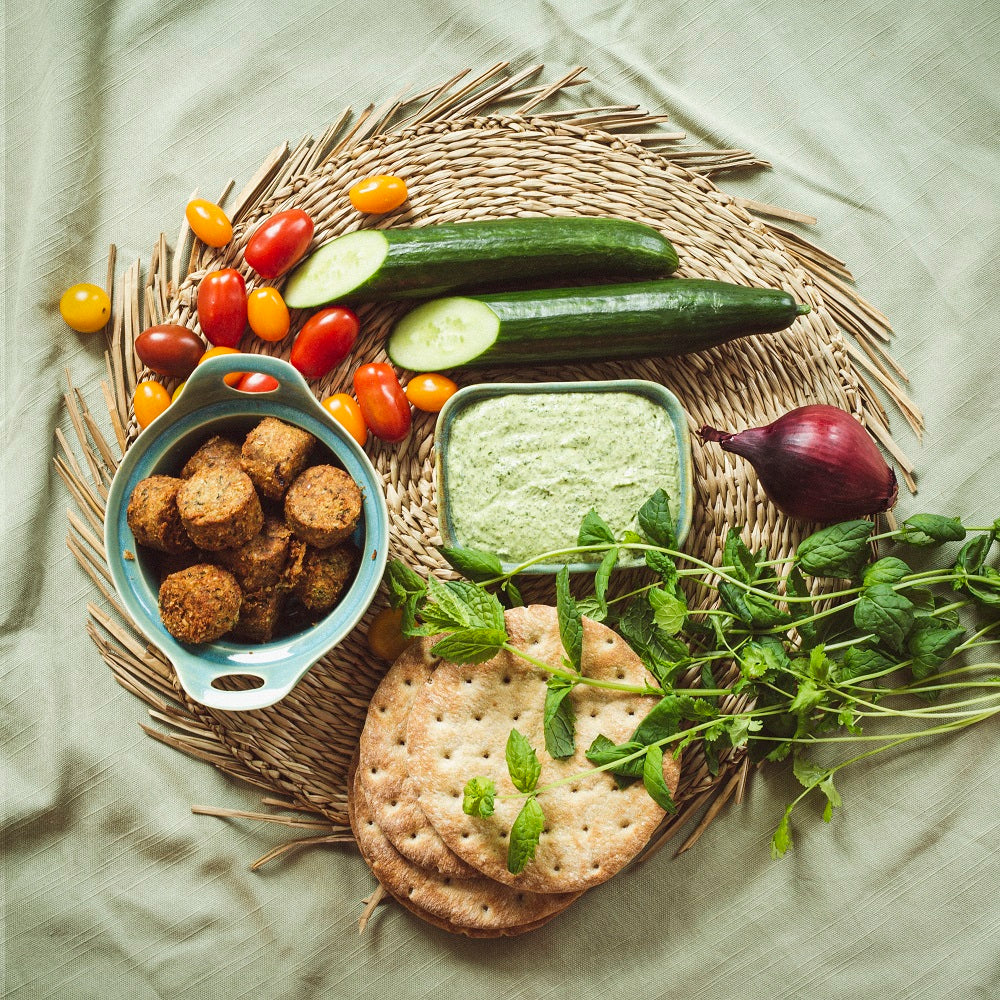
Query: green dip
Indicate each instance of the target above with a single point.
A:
(522, 470)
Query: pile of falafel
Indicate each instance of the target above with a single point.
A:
(251, 541)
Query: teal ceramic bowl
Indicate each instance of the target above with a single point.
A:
(661, 397)
(208, 406)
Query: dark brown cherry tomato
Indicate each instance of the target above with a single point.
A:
(169, 349)
(222, 307)
(382, 401)
(279, 243)
(257, 382)
(324, 341)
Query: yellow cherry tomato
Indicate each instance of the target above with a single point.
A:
(213, 352)
(430, 392)
(378, 194)
(345, 410)
(149, 401)
(208, 222)
(85, 308)
(177, 391)
(267, 314)
(385, 634)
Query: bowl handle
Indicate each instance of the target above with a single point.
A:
(205, 384)
(197, 677)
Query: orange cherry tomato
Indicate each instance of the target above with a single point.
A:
(232, 378)
(268, 314)
(385, 634)
(430, 392)
(177, 391)
(257, 382)
(378, 194)
(86, 308)
(149, 401)
(383, 402)
(208, 222)
(222, 306)
(345, 410)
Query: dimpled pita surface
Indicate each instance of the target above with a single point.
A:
(458, 729)
(382, 765)
(477, 907)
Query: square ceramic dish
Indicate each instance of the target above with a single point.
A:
(209, 406)
(485, 470)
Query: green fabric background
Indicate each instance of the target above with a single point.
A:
(880, 119)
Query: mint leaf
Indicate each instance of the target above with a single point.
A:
(479, 797)
(652, 778)
(669, 611)
(663, 719)
(524, 836)
(559, 719)
(570, 625)
(514, 597)
(522, 762)
(483, 608)
(470, 645)
(931, 529)
(602, 578)
(838, 551)
(403, 583)
(656, 521)
(887, 570)
(473, 564)
(662, 564)
(885, 613)
(444, 609)
(594, 530)
(602, 751)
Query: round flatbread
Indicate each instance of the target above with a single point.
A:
(382, 769)
(476, 907)
(458, 729)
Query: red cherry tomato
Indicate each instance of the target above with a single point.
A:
(382, 401)
(279, 243)
(150, 400)
(222, 307)
(267, 314)
(324, 341)
(208, 222)
(430, 392)
(257, 382)
(378, 194)
(169, 349)
(345, 410)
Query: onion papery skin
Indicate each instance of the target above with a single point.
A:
(815, 463)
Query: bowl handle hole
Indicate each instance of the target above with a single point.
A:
(238, 682)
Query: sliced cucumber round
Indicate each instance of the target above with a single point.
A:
(337, 269)
(443, 333)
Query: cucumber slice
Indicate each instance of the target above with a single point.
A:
(336, 269)
(444, 333)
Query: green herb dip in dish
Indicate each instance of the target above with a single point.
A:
(520, 465)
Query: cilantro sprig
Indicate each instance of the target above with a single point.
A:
(815, 667)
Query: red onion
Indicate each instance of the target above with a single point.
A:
(817, 463)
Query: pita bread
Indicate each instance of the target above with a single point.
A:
(458, 729)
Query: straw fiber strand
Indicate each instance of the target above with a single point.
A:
(481, 165)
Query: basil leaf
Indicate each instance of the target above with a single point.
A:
(479, 797)
(522, 762)
(796, 586)
(930, 644)
(652, 778)
(669, 611)
(663, 720)
(594, 530)
(973, 553)
(887, 570)
(602, 751)
(885, 613)
(751, 609)
(988, 593)
(931, 529)
(470, 645)
(570, 625)
(639, 629)
(860, 661)
(559, 719)
(838, 551)
(524, 836)
(736, 555)
(656, 521)
(473, 564)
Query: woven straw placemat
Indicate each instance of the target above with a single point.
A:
(463, 159)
